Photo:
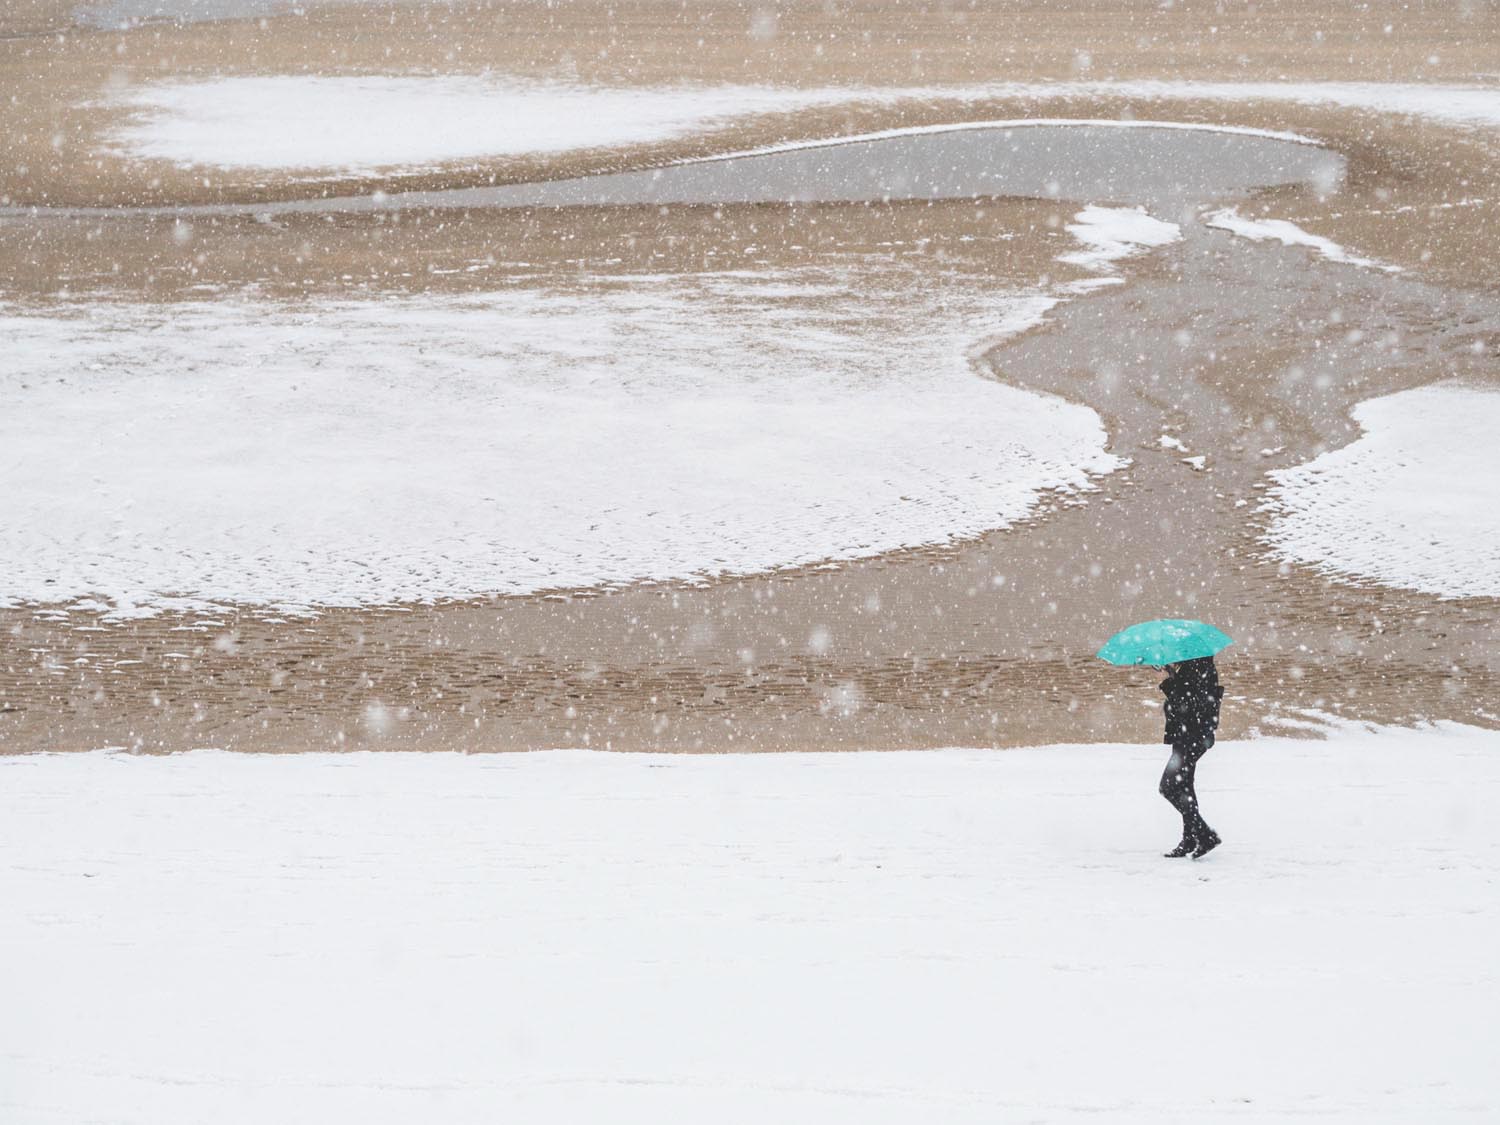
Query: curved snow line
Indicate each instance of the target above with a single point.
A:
(999, 123)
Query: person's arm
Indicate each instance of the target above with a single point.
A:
(1172, 713)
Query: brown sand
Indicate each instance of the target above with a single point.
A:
(925, 648)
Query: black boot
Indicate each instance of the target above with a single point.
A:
(1188, 847)
(1207, 842)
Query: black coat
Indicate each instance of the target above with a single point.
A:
(1191, 708)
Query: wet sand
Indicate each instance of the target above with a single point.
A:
(923, 648)
(1232, 347)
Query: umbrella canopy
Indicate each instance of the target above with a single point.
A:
(1167, 641)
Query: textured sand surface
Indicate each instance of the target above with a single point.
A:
(1250, 354)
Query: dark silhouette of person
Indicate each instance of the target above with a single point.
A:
(1192, 715)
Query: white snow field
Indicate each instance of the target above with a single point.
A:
(360, 124)
(955, 936)
(410, 449)
(1289, 234)
(1410, 503)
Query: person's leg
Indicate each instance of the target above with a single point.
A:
(1177, 787)
(1205, 837)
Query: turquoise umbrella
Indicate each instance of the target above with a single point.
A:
(1163, 642)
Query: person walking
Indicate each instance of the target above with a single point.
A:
(1191, 710)
(1186, 650)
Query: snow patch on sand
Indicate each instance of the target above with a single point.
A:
(1112, 233)
(361, 124)
(409, 449)
(1289, 234)
(957, 936)
(1411, 503)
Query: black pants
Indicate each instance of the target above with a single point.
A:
(1177, 787)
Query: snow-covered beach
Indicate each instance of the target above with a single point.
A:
(800, 450)
(388, 385)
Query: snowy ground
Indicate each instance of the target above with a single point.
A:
(562, 937)
(1411, 503)
(365, 123)
(363, 452)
